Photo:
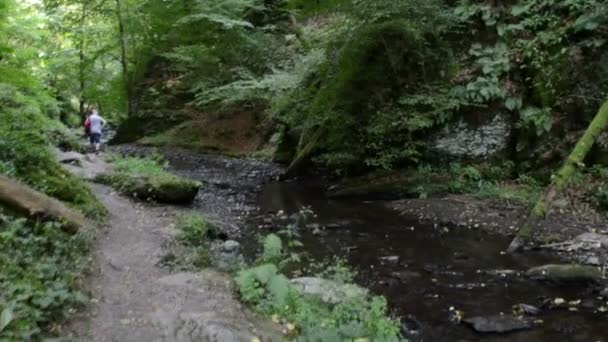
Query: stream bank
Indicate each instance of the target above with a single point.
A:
(431, 271)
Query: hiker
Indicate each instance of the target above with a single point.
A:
(96, 125)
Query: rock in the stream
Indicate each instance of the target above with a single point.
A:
(391, 259)
(593, 260)
(565, 273)
(528, 309)
(406, 276)
(586, 241)
(498, 324)
(328, 291)
(410, 326)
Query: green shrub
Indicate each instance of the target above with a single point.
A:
(273, 249)
(41, 270)
(599, 198)
(196, 229)
(271, 293)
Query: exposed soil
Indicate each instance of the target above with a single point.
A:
(133, 299)
(239, 131)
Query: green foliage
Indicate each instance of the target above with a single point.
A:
(39, 278)
(307, 7)
(152, 165)
(484, 180)
(196, 229)
(536, 119)
(494, 63)
(271, 293)
(273, 249)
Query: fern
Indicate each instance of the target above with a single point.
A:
(273, 249)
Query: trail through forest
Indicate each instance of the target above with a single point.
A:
(133, 299)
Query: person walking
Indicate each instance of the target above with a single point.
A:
(97, 124)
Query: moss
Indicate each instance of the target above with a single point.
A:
(196, 229)
(202, 257)
(369, 75)
(551, 238)
(162, 188)
(566, 273)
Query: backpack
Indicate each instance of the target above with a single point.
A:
(87, 126)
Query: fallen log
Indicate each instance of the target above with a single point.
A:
(561, 178)
(23, 200)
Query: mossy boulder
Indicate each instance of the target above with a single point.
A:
(162, 188)
(565, 273)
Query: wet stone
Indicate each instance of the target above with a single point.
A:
(392, 259)
(588, 304)
(565, 273)
(410, 326)
(592, 260)
(406, 276)
(498, 324)
(529, 309)
(230, 246)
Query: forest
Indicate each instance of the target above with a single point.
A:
(304, 170)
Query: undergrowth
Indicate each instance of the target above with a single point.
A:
(481, 180)
(153, 165)
(39, 279)
(25, 154)
(306, 317)
(196, 229)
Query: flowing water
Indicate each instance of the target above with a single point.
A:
(423, 270)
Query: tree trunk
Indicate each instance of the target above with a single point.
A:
(81, 67)
(304, 151)
(124, 59)
(23, 200)
(561, 179)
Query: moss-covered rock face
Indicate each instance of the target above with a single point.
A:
(162, 188)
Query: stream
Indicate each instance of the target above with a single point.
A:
(423, 270)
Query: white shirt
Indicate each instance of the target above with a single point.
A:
(97, 123)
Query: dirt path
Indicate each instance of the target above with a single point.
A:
(132, 299)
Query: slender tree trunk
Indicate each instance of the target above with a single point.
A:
(124, 59)
(305, 150)
(561, 179)
(82, 61)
